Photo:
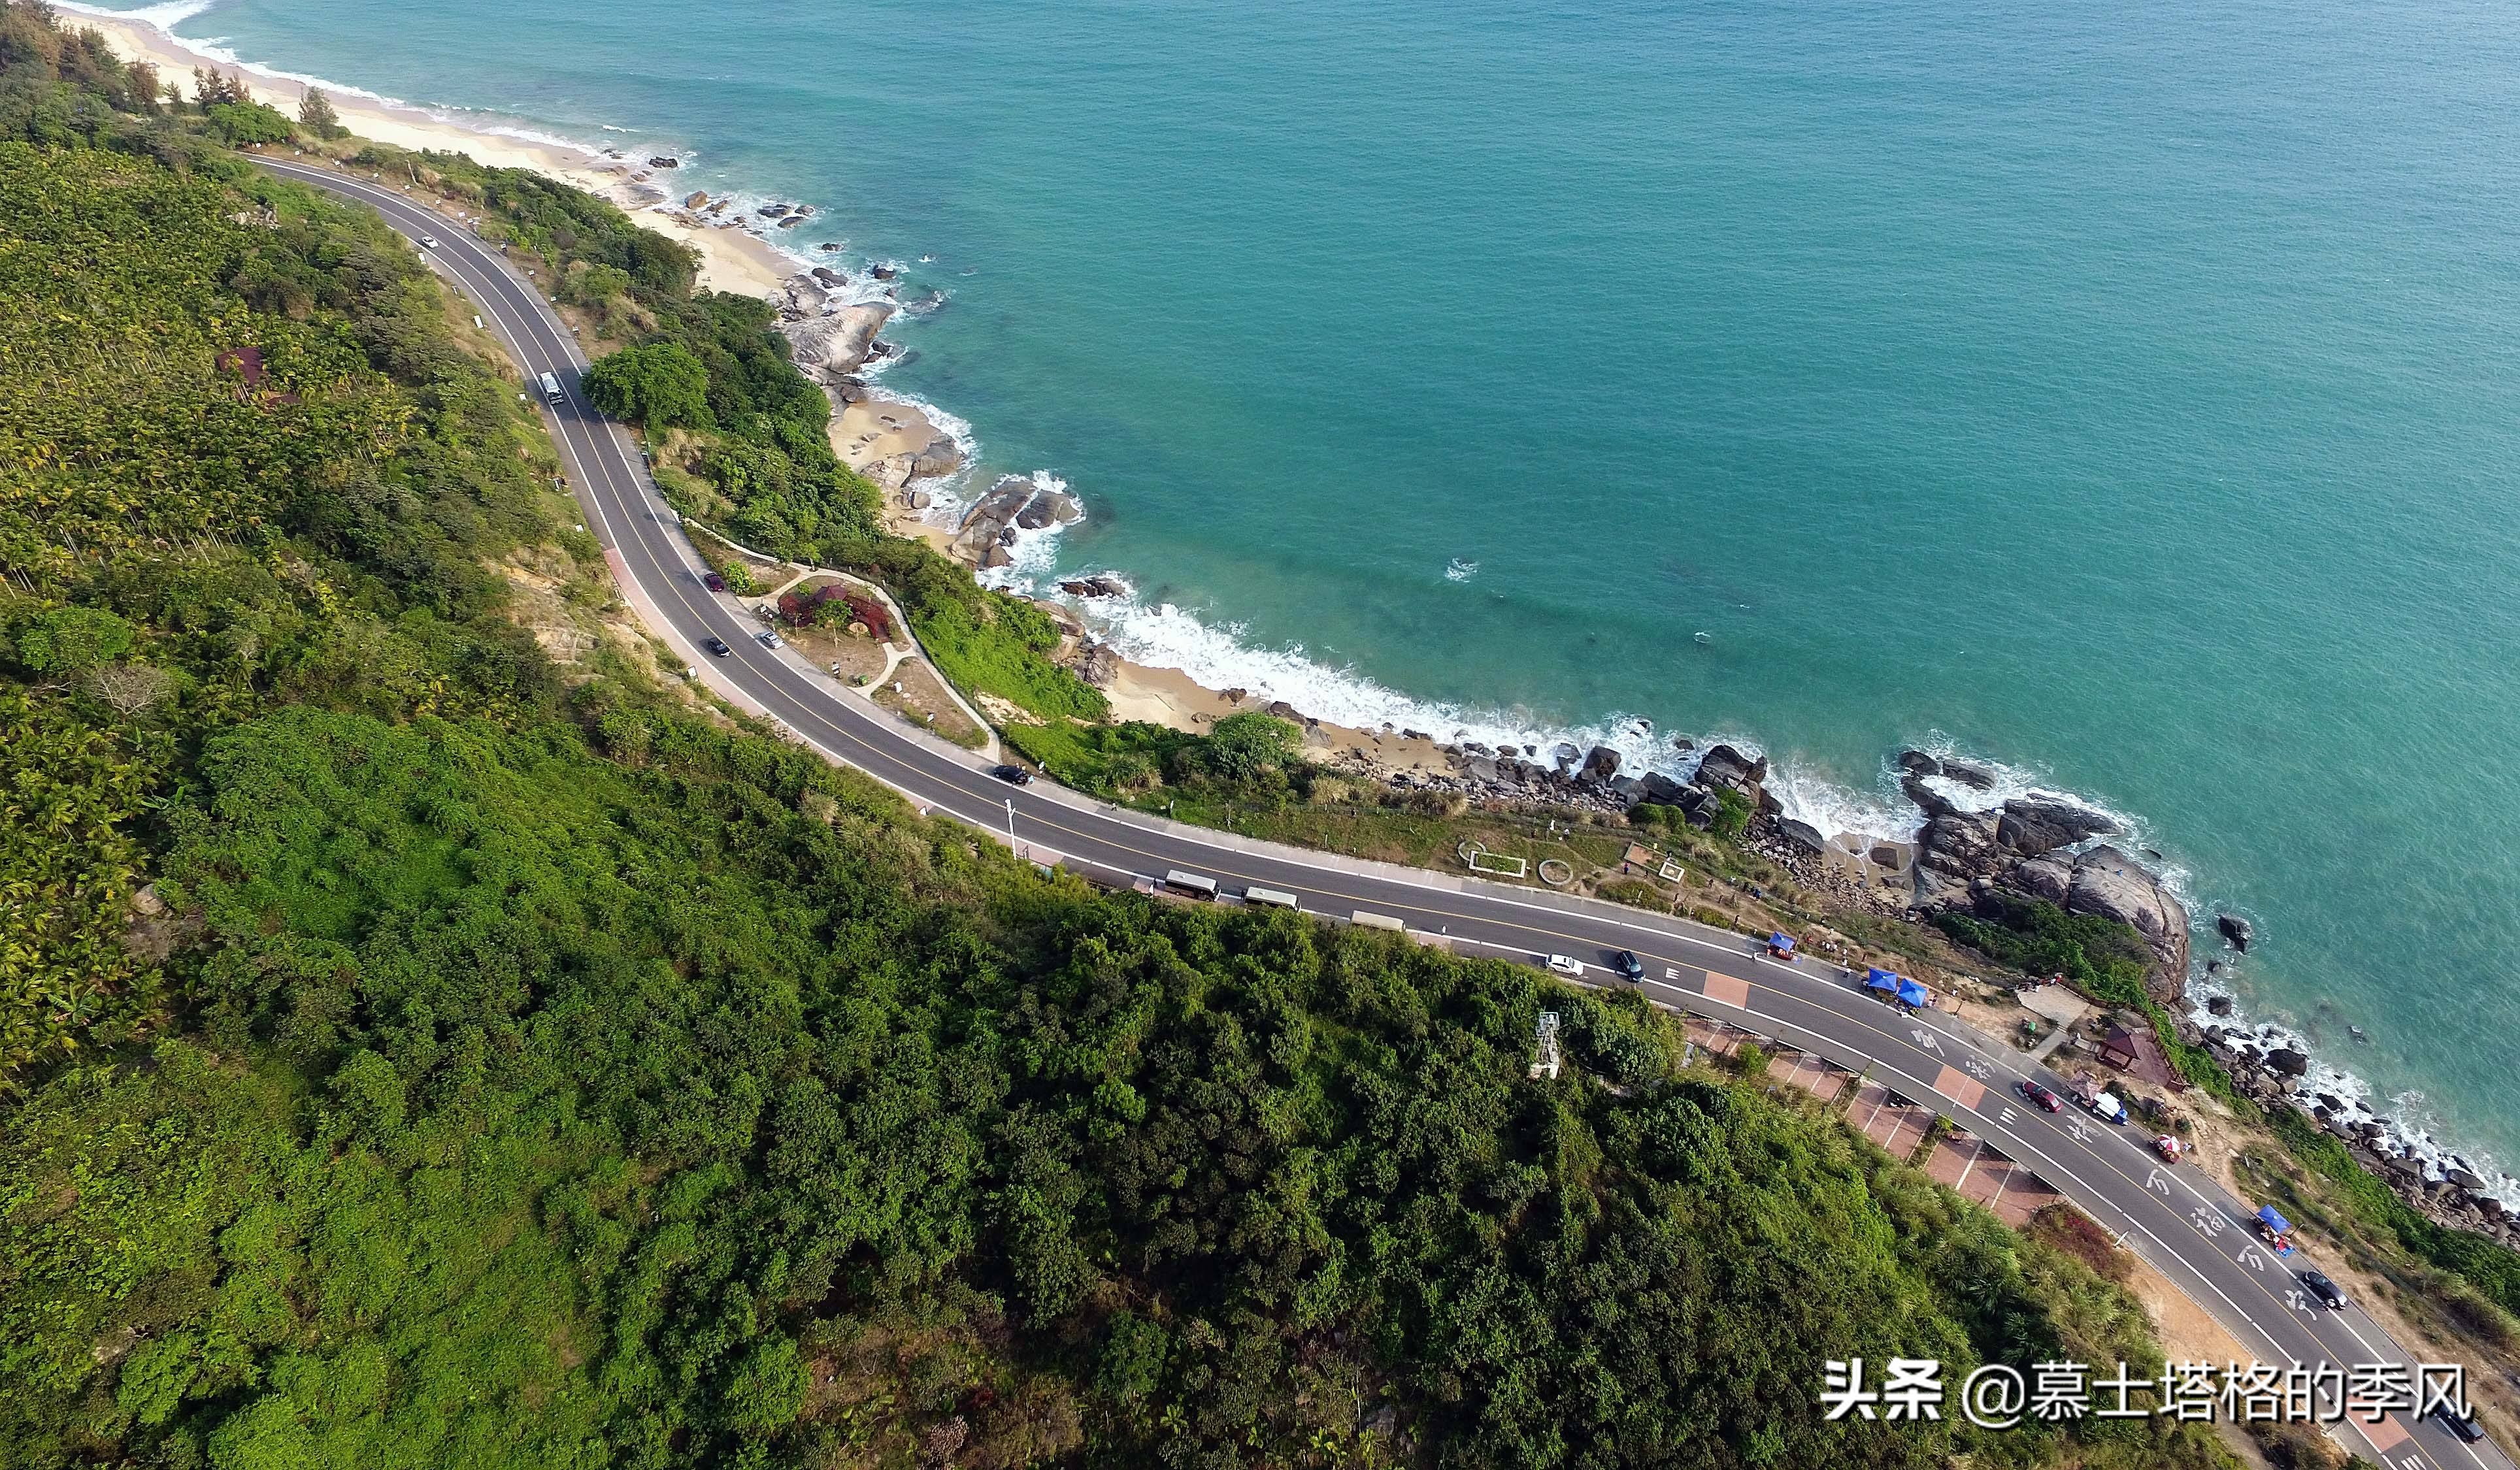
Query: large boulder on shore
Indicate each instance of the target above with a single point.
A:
(942, 455)
(1723, 766)
(831, 347)
(1601, 763)
(1658, 788)
(2109, 883)
(1049, 507)
(2032, 824)
(2044, 878)
(1959, 843)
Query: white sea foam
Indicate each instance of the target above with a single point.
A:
(1033, 555)
(165, 17)
(1219, 654)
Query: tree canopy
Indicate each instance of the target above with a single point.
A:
(432, 1038)
(661, 385)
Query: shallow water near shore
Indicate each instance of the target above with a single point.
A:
(2125, 394)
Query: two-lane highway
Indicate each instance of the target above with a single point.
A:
(2194, 1232)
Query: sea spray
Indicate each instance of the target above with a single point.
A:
(1802, 794)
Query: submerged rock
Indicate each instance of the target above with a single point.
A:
(2235, 929)
(1969, 774)
(1918, 763)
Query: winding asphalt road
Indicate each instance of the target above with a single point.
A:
(2185, 1226)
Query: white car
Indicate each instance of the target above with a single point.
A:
(1566, 965)
(767, 638)
(430, 241)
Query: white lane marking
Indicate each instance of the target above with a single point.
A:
(1928, 1041)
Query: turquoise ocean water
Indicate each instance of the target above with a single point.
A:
(2127, 393)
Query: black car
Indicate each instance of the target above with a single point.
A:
(1013, 775)
(2325, 1290)
(1628, 966)
(2462, 1425)
(716, 645)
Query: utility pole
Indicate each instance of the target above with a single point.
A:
(1010, 822)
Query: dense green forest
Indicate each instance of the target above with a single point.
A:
(433, 1041)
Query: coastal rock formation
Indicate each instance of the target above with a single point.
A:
(1969, 773)
(1014, 502)
(2032, 826)
(1601, 763)
(2109, 883)
(1918, 763)
(942, 455)
(1100, 666)
(1960, 844)
(1099, 587)
(1658, 788)
(2024, 847)
(2235, 929)
(1723, 766)
(1049, 508)
(2047, 878)
(829, 348)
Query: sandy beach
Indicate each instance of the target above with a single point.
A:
(871, 436)
(731, 260)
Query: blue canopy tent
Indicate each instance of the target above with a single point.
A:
(1781, 944)
(1915, 995)
(1880, 979)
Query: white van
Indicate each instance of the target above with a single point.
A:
(1191, 884)
(551, 392)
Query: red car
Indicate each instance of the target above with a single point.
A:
(2041, 1096)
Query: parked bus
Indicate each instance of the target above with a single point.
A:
(551, 392)
(1270, 897)
(1189, 884)
(1364, 920)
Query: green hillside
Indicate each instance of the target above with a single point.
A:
(433, 1039)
